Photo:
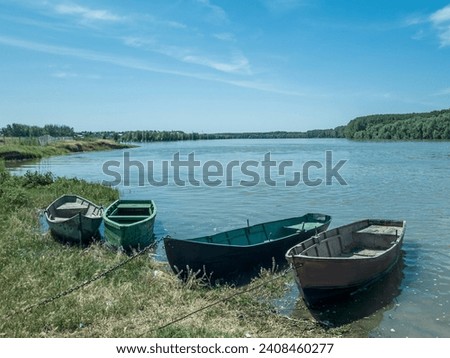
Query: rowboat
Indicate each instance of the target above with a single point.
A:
(344, 259)
(73, 219)
(129, 224)
(231, 253)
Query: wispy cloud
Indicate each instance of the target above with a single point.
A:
(237, 63)
(225, 36)
(161, 35)
(414, 19)
(220, 61)
(67, 75)
(85, 13)
(419, 35)
(264, 87)
(441, 16)
(64, 74)
(176, 25)
(215, 14)
(443, 92)
(136, 64)
(441, 22)
(84, 54)
(138, 42)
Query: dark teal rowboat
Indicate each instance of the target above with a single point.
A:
(129, 224)
(236, 253)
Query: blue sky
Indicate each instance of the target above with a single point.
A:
(220, 65)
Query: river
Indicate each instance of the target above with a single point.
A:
(211, 186)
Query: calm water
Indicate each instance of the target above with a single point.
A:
(400, 180)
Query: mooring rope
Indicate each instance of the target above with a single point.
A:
(81, 285)
(225, 299)
(123, 263)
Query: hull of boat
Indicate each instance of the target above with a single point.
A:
(227, 260)
(322, 278)
(76, 230)
(131, 228)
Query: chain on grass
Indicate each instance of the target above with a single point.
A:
(81, 285)
(225, 299)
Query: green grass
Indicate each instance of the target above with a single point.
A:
(134, 301)
(26, 149)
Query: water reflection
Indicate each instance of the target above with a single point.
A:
(371, 301)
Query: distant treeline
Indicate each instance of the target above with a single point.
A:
(337, 132)
(142, 136)
(159, 136)
(23, 130)
(413, 126)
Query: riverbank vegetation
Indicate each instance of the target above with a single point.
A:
(18, 148)
(413, 126)
(136, 300)
(26, 131)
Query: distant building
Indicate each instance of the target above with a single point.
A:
(47, 139)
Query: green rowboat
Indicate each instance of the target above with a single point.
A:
(129, 224)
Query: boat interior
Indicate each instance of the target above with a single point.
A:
(257, 234)
(69, 209)
(368, 240)
(130, 212)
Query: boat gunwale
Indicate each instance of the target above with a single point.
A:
(383, 253)
(131, 224)
(59, 220)
(194, 241)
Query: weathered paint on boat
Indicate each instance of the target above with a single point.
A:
(73, 218)
(129, 224)
(232, 253)
(344, 259)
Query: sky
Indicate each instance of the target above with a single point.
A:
(220, 65)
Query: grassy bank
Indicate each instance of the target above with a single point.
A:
(133, 301)
(14, 149)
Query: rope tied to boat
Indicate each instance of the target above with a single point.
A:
(81, 285)
(225, 299)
